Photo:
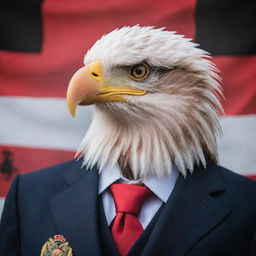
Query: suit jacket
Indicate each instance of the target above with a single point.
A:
(211, 212)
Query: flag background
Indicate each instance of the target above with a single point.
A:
(43, 43)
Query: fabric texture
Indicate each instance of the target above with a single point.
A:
(108, 245)
(126, 227)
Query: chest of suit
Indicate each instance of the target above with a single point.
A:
(195, 221)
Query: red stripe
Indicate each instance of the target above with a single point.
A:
(251, 176)
(71, 29)
(238, 74)
(28, 159)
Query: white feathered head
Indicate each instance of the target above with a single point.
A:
(156, 102)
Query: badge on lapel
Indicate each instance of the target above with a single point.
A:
(58, 246)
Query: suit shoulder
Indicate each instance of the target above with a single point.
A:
(235, 178)
(49, 172)
(48, 179)
(240, 187)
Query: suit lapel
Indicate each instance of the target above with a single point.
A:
(189, 214)
(75, 211)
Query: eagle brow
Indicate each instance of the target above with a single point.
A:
(162, 70)
(131, 65)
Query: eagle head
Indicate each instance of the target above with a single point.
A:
(156, 97)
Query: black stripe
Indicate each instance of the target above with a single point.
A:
(226, 27)
(21, 25)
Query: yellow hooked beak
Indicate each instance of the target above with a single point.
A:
(87, 87)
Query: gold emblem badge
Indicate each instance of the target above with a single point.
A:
(58, 246)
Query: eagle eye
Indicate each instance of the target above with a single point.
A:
(139, 72)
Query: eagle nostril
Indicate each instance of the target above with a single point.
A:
(95, 74)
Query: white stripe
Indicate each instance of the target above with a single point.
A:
(1, 206)
(46, 123)
(237, 148)
(41, 122)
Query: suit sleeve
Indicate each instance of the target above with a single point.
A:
(9, 227)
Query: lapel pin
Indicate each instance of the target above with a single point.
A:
(56, 246)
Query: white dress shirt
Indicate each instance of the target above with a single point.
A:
(161, 187)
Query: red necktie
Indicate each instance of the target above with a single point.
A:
(126, 228)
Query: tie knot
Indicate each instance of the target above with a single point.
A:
(129, 198)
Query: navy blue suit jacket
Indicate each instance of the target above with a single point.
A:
(211, 212)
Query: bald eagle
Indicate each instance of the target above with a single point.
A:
(157, 102)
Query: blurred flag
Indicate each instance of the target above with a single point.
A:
(43, 43)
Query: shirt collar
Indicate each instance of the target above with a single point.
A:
(161, 187)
